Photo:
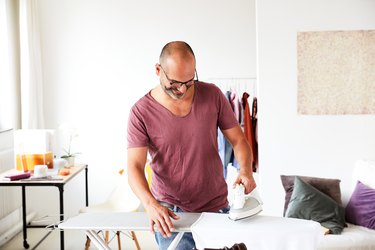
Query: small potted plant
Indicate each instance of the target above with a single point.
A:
(69, 156)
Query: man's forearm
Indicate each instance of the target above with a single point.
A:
(242, 153)
(139, 185)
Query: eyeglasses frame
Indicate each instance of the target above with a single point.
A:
(173, 83)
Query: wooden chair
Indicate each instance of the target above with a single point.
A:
(121, 199)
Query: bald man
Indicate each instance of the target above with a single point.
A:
(177, 122)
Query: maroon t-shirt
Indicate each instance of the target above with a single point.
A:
(187, 170)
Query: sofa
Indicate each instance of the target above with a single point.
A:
(349, 226)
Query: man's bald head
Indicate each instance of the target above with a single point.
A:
(176, 49)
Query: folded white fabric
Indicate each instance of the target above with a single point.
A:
(214, 230)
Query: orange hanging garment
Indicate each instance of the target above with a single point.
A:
(248, 128)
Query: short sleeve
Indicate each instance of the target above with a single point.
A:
(226, 116)
(137, 134)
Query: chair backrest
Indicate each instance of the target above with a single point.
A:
(122, 198)
(148, 173)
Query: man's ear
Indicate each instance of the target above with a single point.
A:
(157, 69)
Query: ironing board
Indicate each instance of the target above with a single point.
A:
(209, 229)
(121, 221)
(259, 232)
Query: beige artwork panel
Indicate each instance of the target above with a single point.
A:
(336, 72)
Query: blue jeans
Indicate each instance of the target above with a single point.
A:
(187, 242)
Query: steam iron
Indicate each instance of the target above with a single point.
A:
(243, 206)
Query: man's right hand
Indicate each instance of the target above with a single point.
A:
(160, 218)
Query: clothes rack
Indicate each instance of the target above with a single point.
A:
(238, 84)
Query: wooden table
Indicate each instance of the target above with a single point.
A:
(43, 183)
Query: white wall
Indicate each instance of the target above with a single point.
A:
(325, 146)
(99, 57)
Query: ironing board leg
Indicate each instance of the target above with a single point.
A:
(98, 242)
(175, 241)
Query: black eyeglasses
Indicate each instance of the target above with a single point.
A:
(177, 84)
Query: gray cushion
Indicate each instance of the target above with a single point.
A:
(309, 203)
(330, 187)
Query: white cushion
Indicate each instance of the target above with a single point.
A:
(364, 171)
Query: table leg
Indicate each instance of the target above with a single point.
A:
(61, 192)
(87, 186)
(25, 244)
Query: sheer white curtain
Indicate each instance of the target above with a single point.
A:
(31, 66)
(5, 85)
(10, 114)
